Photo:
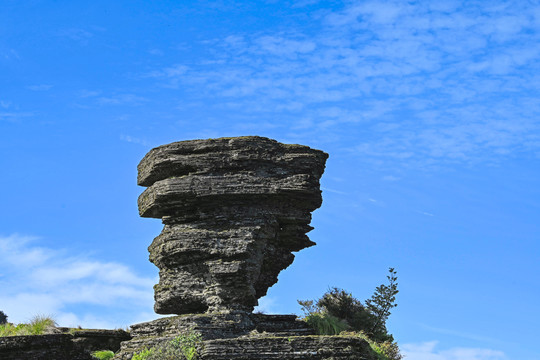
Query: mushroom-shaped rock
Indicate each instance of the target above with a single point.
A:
(234, 210)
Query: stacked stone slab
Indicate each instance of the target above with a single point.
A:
(234, 210)
(66, 344)
(239, 335)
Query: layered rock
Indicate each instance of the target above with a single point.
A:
(242, 336)
(67, 344)
(234, 210)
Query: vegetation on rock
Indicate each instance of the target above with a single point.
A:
(183, 346)
(3, 318)
(103, 354)
(381, 302)
(37, 326)
(338, 311)
(386, 350)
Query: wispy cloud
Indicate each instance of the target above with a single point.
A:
(121, 99)
(333, 191)
(462, 334)
(14, 116)
(9, 54)
(41, 280)
(156, 52)
(134, 140)
(77, 34)
(417, 83)
(41, 87)
(428, 351)
(267, 305)
(89, 93)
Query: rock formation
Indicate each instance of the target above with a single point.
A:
(67, 344)
(234, 210)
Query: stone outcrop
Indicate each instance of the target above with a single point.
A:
(69, 344)
(234, 210)
(243, 336)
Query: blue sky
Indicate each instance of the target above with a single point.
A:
(429, 111)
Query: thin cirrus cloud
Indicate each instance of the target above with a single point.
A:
(428, 351)
(121, 99)
(14, 116)
(134, 140)
(41, 87)
(40, 280)
(454, 81)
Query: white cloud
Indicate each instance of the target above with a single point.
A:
(14, 116)
(134, 140)
(10, 54)
(40, 280)
(41, 87)
(280, 46)
(121, 99)
(450, 82)
(334, 191)
(267, 305)
(76, 34)
(157, 52)
(89, 93)
(428, 351)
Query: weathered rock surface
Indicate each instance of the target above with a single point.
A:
(243, 336)
(234, 210)
(67, 345)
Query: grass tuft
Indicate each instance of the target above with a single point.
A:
(37, 326)
(40, 323)
(326, 324)
(103, 354)
(385, 350)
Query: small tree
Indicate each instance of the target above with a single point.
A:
(382, 301)
(3, 318)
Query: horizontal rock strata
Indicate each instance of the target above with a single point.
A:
(288, 348)
(243, 336)
(234, 210)
(72, 344)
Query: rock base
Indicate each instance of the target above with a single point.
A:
(69, 344)
(245, 336)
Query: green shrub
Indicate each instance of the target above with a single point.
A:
(370, 318)
(143, 355)
(343, 305)
(337, 311)
(103, 354)
(326, 324)
(183, 346)
(187, 344)
(390, 349)
(386, 350)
